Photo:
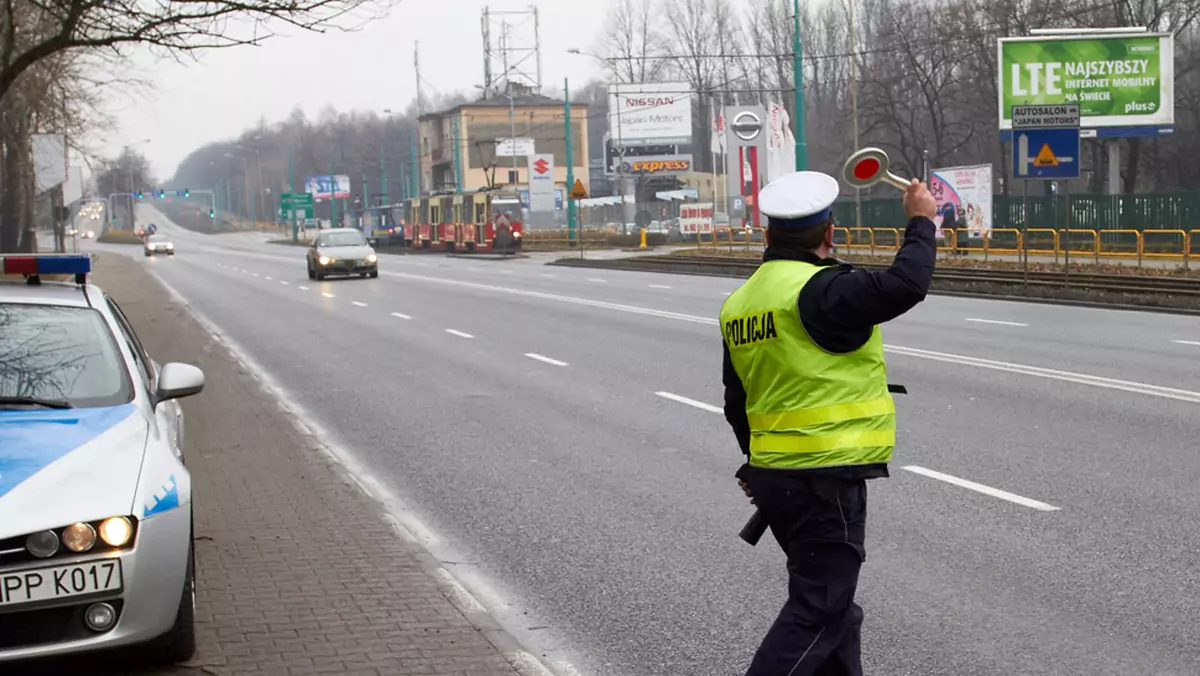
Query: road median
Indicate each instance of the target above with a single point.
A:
(1156, 289)
(299, 570)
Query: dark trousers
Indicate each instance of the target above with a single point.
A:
(820, 523)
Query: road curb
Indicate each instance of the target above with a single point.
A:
(524, 662)
(685, 268)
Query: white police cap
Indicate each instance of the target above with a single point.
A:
(799, 199)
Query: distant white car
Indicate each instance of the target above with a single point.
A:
(96, 539)
(156, 244)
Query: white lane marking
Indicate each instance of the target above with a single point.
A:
(691, 402)
(269, 279)
(302, 288)
(986, 490)
(597, 280)
(1188, 342)
(506, 272)
(476, 269)
(327, 294)
(284, 282)
(659, 286)
(254, 273)
(548, 360)
(1053, 374)
(401, 316)
(405, 523)
(994, 321)
(460, 334)
(548, 275)
(359, 304)
(1078, 378)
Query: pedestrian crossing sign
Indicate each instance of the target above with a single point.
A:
(1045, 157)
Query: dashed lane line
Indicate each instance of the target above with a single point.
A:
(400, 315)
(981, 488)
(691, 402)
(358, 303)
(327, 294)
(460, 334)
(994, 321)
(302, 288)
(1188, 342)
(548, 360)
(659, 286)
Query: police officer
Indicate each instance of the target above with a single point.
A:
(807, 396)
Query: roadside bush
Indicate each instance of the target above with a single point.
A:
(119, 237)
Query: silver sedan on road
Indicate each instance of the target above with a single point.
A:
(341, 251)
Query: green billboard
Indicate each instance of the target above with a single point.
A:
(1118, 80)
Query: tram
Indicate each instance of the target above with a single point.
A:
(481, 221)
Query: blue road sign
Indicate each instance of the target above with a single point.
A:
(1046, 154)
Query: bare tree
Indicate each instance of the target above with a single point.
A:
(33, 31)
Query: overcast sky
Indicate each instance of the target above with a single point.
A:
(230, 89)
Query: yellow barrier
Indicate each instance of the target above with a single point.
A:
(1168, 245)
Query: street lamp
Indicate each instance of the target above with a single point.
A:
(620, 143)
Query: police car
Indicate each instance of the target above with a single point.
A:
(95, 500)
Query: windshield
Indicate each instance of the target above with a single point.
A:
(60, 353)
(351, 238)
(156, 238)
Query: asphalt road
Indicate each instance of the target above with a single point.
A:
(553, 431)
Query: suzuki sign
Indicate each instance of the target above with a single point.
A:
(541, 183)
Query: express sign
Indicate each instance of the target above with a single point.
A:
(677, 164)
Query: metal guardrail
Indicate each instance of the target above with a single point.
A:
(1139, 245)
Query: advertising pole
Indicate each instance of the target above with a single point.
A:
(798, 82)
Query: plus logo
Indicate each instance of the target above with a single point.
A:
(541, 165)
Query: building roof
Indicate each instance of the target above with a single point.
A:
(501, 101)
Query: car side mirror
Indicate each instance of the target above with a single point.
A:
(176, 381)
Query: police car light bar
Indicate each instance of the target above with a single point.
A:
(46, 264)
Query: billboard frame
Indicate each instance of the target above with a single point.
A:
(1089, 126)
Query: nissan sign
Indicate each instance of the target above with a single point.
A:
(650, 113)
(746, 125)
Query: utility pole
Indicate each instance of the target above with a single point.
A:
(798, 82)
(292, 191)
(572, 230)
(854, 107)
(382, 178)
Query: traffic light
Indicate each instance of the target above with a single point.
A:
(139, 194)
(212, 214)
(162, 194)
(187, 193)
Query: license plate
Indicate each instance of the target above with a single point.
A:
(60, 582)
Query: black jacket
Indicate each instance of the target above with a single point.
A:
(839, 307)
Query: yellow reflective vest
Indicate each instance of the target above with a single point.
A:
(807, 407)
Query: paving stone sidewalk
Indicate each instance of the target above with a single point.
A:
(298, 570)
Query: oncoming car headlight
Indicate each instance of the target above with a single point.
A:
(516, 234)
(371, 258)
(116, 531)
(323, 260)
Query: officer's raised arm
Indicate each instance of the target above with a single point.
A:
(857, 299)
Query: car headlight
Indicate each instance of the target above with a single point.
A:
(371, 258)
(323, 260)
(116, 531)
(43, 544)
(170, 246)
(79, 537)
(516, 234)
